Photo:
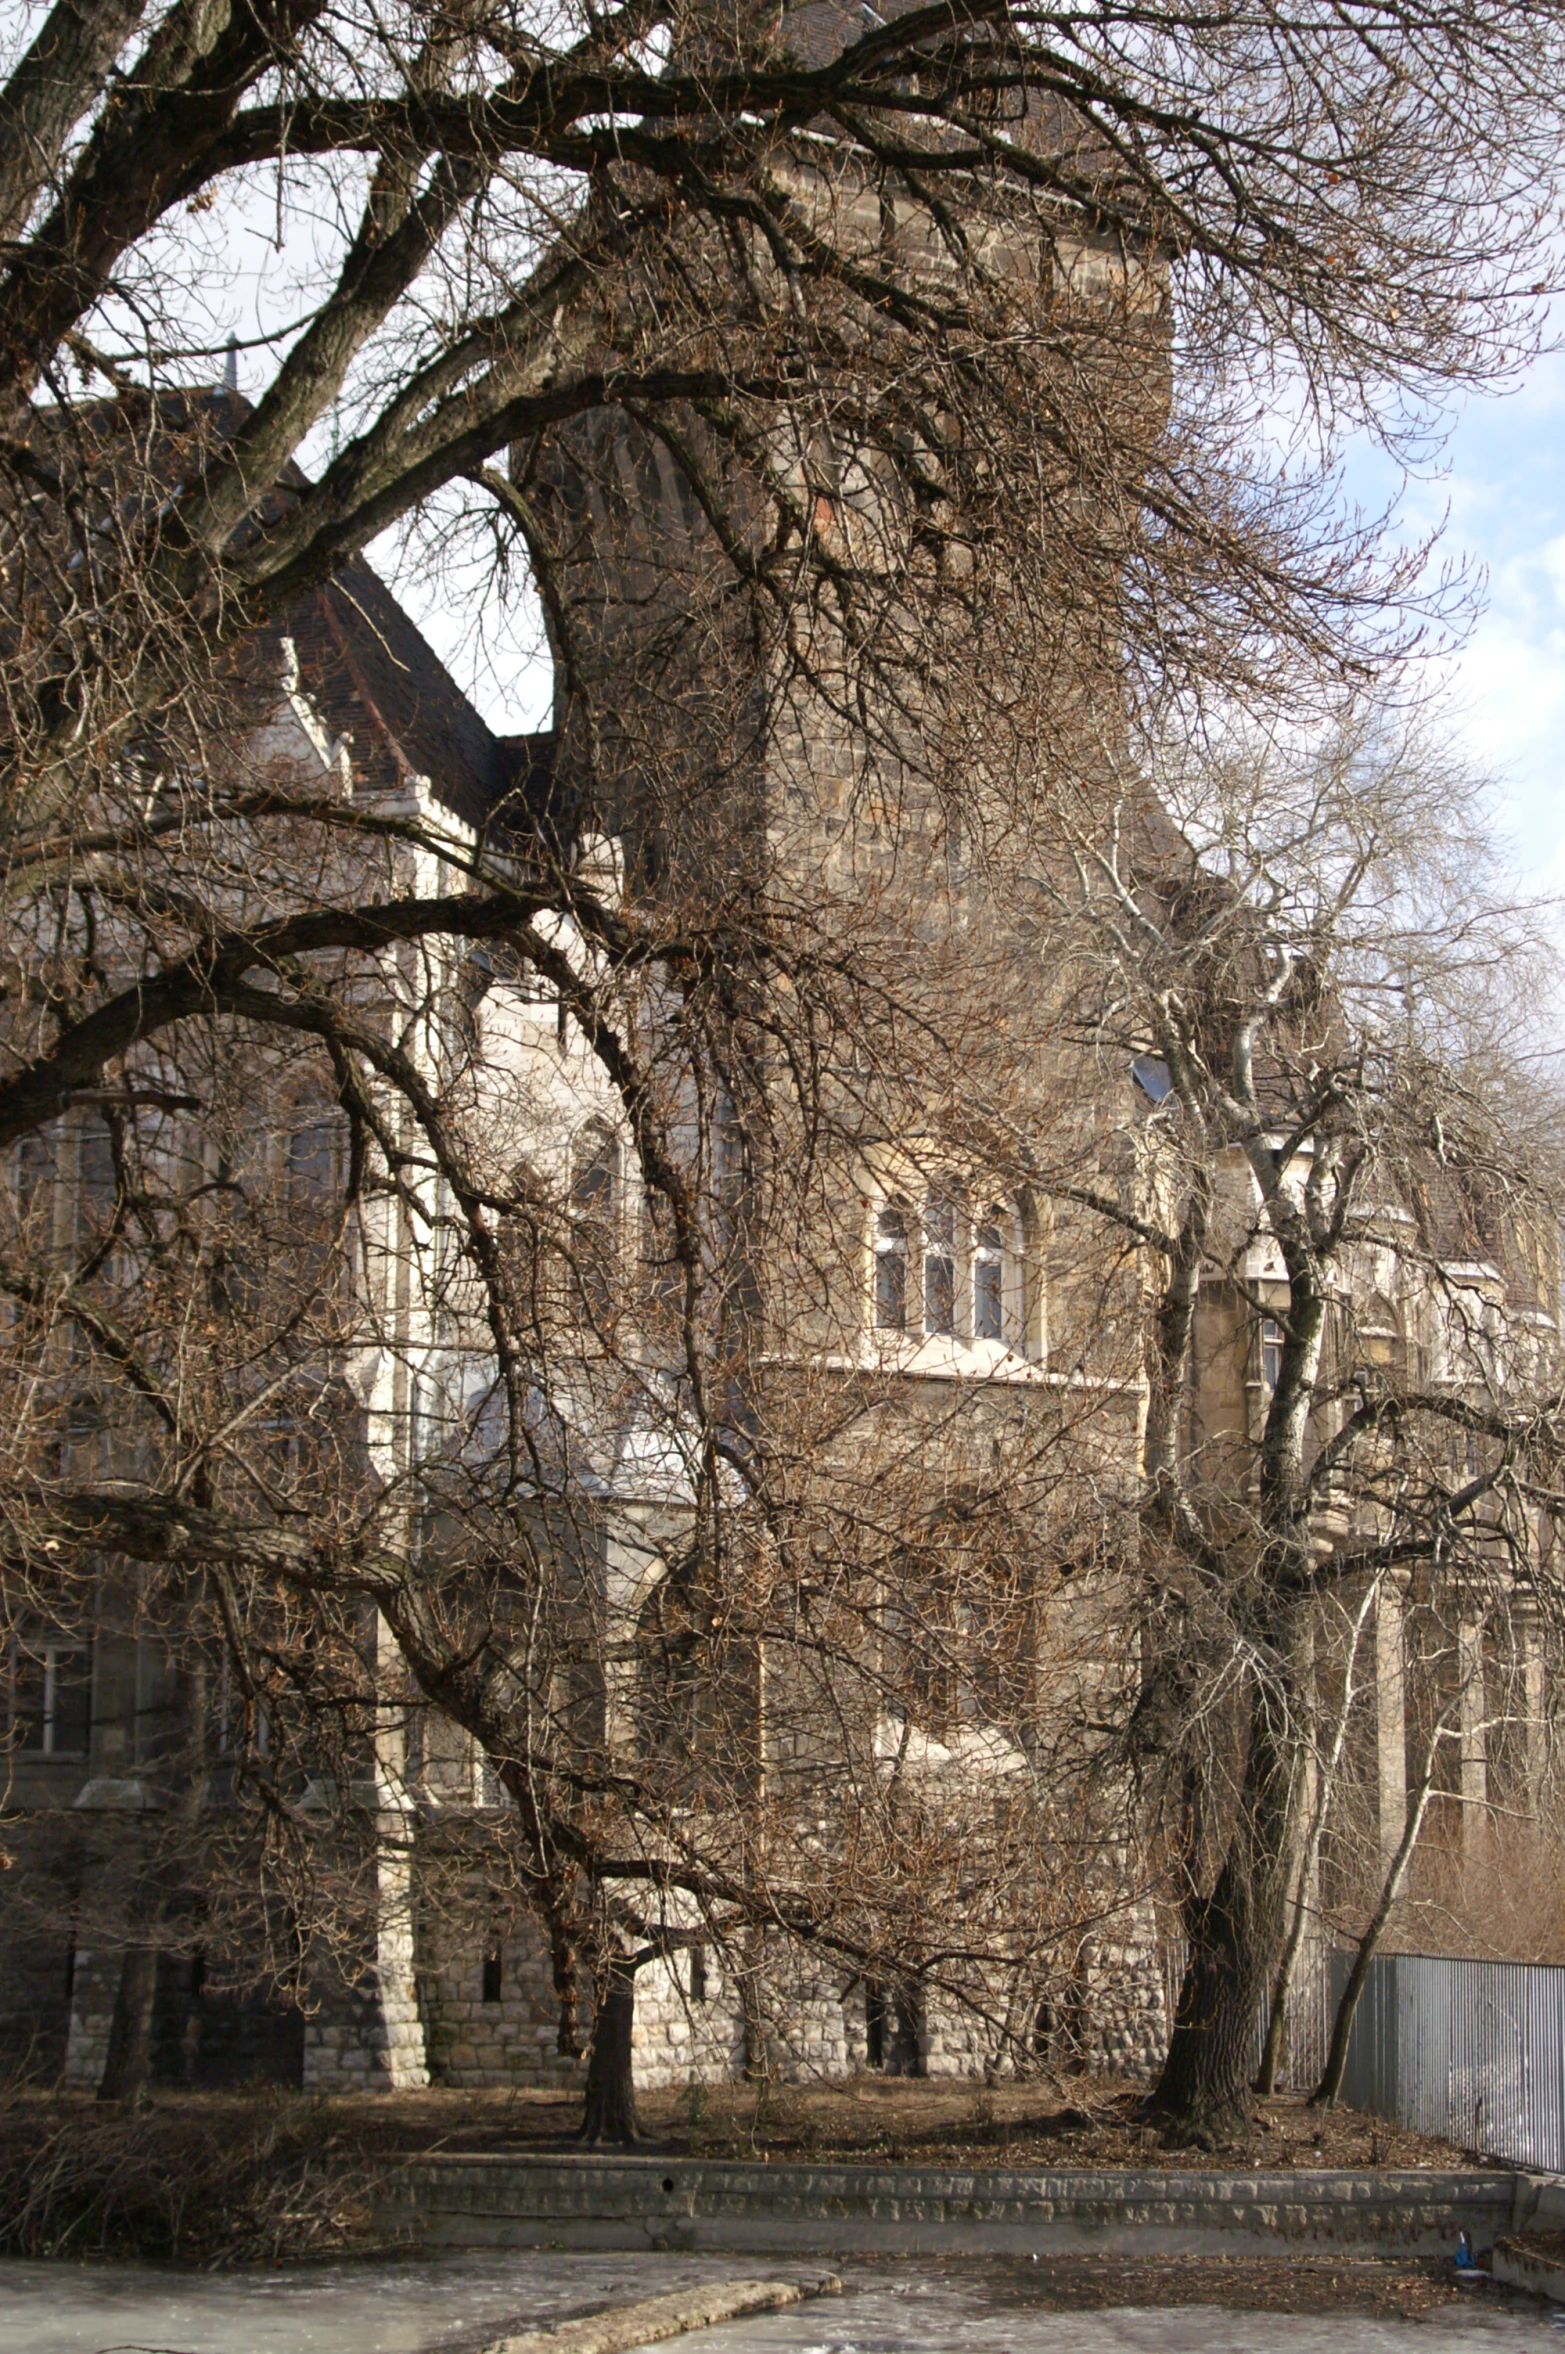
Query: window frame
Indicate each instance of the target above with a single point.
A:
(987, 1257)
(938, 1234)
(891, 1249)
(48, 1651)
(595, 1209)
(955, 1265)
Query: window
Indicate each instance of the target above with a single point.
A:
(96, 1181)
(874, 2027)
(594, 1193)
(989, 1284)
(891, 1269)
(1380, 1350)
(1272, 1337)
(35, 1172)
(492, 1975)
(939, 1275)
(312, 1161)
(939, 1265)
(662, 1275)
(51, 1698)
(698, 1973)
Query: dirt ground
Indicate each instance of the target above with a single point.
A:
(1067, 2122)
(299, 2172)
(1073, 2122)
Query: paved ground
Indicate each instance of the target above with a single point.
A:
(976, 2306)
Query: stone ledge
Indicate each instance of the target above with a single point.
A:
(1540, 2270)
(596, 2201)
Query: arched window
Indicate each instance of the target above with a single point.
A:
(662, 1284)
(891, 1269)
(314, 1149)
(1380, 1350)
(989, 1279)
(696, 1687)
(947, 1273)
(940, 1265)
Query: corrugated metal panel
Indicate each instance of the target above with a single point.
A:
(1472, 2051)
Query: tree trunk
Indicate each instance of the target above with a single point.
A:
(1326, 1771)
(752, 2011)
(129, 2062)
(1205, 2093)
(609, 2113)
(1277, 2019)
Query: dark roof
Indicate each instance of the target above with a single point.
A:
(819, 30)
(363, 661)
(375, 678)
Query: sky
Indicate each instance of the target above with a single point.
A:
(1500, 486)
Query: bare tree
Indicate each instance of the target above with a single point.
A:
(1345, 1182)
(871, 409)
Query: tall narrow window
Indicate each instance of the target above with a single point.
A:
(51, 1698)
(312, 1161)
(989, 1284)
(36, 1163)
(96, 1184)
(312, 1178)
(874, 2027)
(939, 1265)
(662, 1275)
(891, 1269)
(594, 1189)
(1271, 1351)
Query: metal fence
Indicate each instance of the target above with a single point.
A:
(1472, 2051)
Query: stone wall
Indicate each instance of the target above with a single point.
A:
(689, 2022)
(489, 2007)
(1125, 2023)
(365, 2031)
(433, 1983)
(457, 2200)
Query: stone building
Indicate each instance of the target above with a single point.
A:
(943, 1297)
(937, 1299)
(966, 1309)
